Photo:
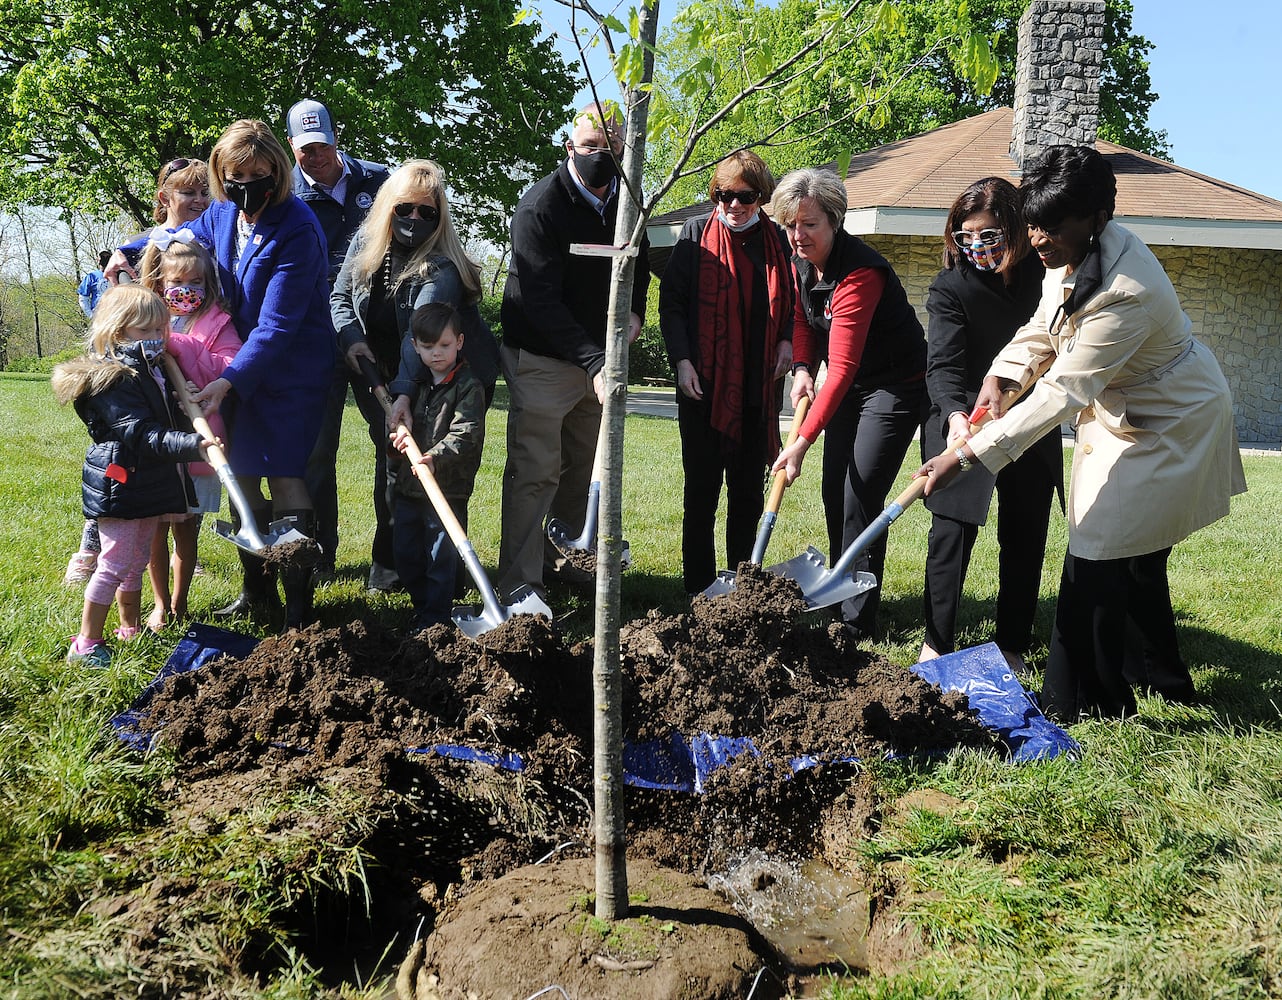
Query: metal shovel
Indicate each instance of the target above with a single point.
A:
(248, 537)
(559, 532)
(725, 581)
(824, 588)
(494, 613)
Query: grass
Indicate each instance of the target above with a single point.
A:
(1149, 868)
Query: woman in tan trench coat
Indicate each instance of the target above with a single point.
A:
(1156, 455)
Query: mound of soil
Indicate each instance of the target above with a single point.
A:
(311, 704)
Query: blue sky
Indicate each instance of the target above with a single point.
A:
(1213, 67)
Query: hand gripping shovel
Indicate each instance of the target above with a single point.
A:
(248, 537)
(524, 600)
(725, 581)
(559, 532)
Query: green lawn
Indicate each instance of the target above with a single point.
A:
(1149, 868)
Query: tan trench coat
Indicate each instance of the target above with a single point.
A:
(1156, 455)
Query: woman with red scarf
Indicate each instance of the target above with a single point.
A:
(725, 309)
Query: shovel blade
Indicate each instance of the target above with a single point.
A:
(722, 585)
(240, 539)
(279, 532)
(559, 536)
(525, 601)
(822, 587)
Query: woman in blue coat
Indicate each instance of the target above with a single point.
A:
(273, 264)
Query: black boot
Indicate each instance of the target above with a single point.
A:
(296, 575)
(258, 596)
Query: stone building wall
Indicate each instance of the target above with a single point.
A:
(1231, 297)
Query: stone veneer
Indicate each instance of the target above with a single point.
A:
(1230, 296)
(1061, 54)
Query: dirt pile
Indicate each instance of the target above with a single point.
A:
(310, 704)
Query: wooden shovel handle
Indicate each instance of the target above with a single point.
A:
(179, 382)
(428, 481)
(781, 477)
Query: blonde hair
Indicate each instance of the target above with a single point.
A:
(243, 143)
(122, 307)
(151, 270)
(412, 180)
(170, 178)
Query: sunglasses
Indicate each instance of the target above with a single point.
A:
(173, 166)
(985, 237)
(742, 197)
(428, 213)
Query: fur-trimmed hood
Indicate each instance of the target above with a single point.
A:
(87, 375)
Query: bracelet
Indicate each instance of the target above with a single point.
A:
(962, 460)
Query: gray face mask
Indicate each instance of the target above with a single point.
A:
(412, 233)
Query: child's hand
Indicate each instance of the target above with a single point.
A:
(192, 388)
(429, 462)
(400, 414)
(206, 444)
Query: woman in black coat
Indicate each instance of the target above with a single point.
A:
(988, 288)
(726, 310)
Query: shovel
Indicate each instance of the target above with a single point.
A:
(248, 537)
(559, 532)
(725, 581)
(494, 613)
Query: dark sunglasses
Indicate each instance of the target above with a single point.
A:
(985, 237)
(428, 213)
(173, 166)
(742, 197)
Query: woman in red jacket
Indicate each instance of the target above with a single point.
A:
(853, 314)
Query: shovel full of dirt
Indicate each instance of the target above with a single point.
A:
(725, 581)
(247, 536)
(494, 612)
(581, 551)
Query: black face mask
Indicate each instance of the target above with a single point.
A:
(250, 196)
(412, 233)
(596, 169)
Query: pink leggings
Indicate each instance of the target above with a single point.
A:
(126, 548)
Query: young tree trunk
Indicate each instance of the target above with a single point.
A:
(607, 682)
(31, 279)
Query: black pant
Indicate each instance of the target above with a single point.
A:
(1114, 627)
(864, 447)
(1024, 492)
(706, 465)
(321, 477)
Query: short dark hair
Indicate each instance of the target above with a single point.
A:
(103, 257)
(429, 322)
(1065, 181)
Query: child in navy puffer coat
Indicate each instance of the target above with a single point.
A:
(133, 470)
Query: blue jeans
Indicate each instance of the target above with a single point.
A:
(425, 559)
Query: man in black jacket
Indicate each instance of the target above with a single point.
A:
(555, 305)
(339, 189)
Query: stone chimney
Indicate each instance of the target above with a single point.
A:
(1061, 52)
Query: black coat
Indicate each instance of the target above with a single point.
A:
(134, 467)
(554, 302)
(973, 315)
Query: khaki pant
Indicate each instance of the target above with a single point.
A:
(552, 424)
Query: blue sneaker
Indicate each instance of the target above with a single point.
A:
(98, 655)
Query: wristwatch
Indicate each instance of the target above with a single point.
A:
(799, 366)
(962, 459)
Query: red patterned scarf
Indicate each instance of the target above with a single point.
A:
(724, 297)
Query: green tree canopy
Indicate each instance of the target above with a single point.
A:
(915, 68)
(96, 95)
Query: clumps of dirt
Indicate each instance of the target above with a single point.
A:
(304, 552)
(311, 704)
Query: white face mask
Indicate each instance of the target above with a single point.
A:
(725, 221)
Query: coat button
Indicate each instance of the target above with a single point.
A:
(1087, 449)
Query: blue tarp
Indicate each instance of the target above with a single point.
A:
(681, 763)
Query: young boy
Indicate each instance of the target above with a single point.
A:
(448, 407)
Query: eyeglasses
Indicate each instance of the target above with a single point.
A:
(173, 166)
(428, 213)
(742, 197)
(985, 237)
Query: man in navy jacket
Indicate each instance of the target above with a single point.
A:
(339, 190)
(555, 305)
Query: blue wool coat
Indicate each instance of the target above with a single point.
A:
(278, 297)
